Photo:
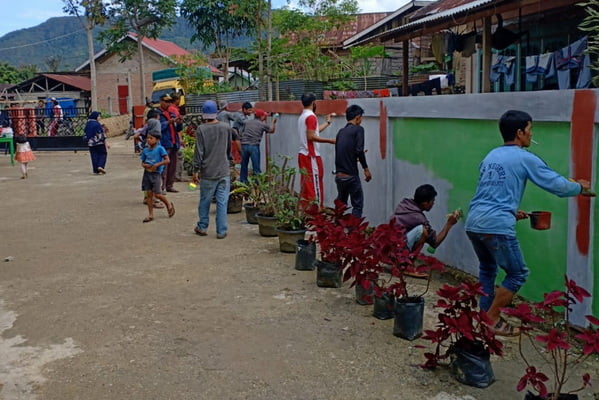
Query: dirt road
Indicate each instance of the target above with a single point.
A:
(96, 305)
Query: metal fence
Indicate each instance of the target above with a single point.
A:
(40, 122)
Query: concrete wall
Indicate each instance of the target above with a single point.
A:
(442, 139)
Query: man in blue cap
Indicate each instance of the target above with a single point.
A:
(211, 164)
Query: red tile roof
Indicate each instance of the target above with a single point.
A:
(162, 47)
(78, 81)
(168, 49)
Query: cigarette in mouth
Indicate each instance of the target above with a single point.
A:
(534, 141)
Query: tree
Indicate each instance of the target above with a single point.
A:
(13, 75)
(52, 63)
(90, 13)
(218, 22)
(307, 28)
(145, 18)
(362, 56)
(590, 24)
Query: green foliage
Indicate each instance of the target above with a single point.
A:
(590, 25)
(194, 74)
(146, 18)
(431, 66)
(306, 28)
(362, 56)
(93, 12)
(12, 75)
(217, 23)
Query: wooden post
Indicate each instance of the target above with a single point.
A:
(405, 58)
(486, 82)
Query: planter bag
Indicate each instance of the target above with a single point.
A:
(305, 255)
(472, 367)
(409, 315)
(364, 297)
(563, 396)
(328, 274)
(383, 307)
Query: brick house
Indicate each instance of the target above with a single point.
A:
(118, 82)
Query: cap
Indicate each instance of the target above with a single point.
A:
(222, 104)
(53, 98)
(166, 97)
(259, 113)
(209, 110)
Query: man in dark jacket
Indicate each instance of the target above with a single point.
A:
(349, 150)
(409, 213)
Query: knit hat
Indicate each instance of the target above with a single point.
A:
(94, 115)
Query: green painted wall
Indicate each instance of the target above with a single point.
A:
(452, 150)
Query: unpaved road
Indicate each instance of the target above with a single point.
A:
(96, 305)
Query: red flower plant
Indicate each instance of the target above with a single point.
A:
(560, 350)
(460, 324)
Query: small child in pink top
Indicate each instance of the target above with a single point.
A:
(24, 154)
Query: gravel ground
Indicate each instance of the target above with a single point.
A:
(96, 305)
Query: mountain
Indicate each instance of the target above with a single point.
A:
(64, 38)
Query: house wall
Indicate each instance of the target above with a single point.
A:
(112, 73)
(442, 139)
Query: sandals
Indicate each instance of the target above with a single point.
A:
(148, 219)
(171, 210)
(503, 328)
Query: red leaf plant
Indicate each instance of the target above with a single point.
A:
(460, 324)
(387, 246)
(557, 347)
(341, 235)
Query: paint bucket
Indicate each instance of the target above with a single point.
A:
(540, 220)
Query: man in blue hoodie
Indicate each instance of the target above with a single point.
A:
(493, 212)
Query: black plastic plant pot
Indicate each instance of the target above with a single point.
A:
(364, 297)
(305, 255)
(409, 314)
(383, 307)
(472, 366)
(563, 396)
(250, 214)
(328, 274)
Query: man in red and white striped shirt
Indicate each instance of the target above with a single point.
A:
(309, 159)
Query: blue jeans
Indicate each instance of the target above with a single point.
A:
(218, 188)
(351, 187)
(498, 251)
(249, 152)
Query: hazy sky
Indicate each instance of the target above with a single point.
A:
(19, 15)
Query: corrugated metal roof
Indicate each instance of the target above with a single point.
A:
(400, 12)
(441, 6)
(443, 9)
(359, 23)
(78, 81)
(459, 7)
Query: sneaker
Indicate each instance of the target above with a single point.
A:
(221, 236)
(199, 231)
(172, 190)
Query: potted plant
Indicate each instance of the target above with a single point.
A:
(291, 224)
(276, 181)
(463, 336)
(252, 195)
(559, 347)
(340, 236)
(235, 203)
(387, 246)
